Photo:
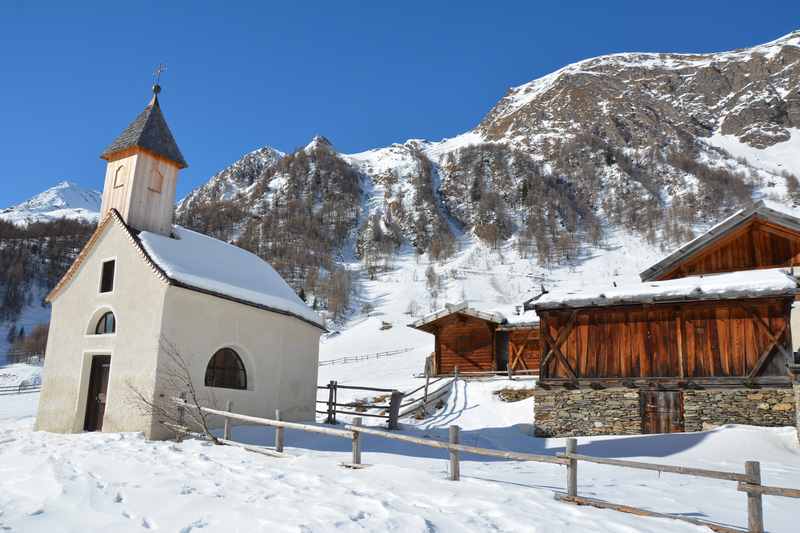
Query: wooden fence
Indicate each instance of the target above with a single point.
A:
(363, 357)
(399, 404)
(22, 388)
(390, 412)
(748, 482)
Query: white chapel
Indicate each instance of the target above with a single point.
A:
(144, 293)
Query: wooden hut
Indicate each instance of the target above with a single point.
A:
(667, 356)
(477, 341)
(766, 235)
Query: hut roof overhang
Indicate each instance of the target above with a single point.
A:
(766, 210)
(728, 286)
(429, 321)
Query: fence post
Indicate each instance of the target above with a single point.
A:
(394, 408)
(755, 510)
(226, 432)
(181, 417)
(455, 467)
(278, 433)
(331, 419)
(425, 397)
(455, 373)
(356, 441)
(572, 468)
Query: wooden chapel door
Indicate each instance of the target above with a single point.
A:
(98, 388)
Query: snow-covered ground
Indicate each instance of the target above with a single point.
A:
(120, 482)
(20, 374)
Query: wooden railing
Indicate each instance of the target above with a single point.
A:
(748, 482)
(392, 409)
(364, 357)
(22, 388)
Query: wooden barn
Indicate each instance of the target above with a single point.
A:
(667, 356)
(477, 341)
(766, 235)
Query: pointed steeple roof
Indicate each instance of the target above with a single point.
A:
(148, 131)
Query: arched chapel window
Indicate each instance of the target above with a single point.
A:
(106, 325)
(156, 181)
(119, 176)
(226, 370)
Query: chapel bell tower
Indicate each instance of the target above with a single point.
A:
(142, 172)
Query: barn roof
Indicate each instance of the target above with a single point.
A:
(728, 286)
(774, 212)
(149, 131)
(459, 308)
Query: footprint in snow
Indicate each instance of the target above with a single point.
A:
(197, 524)
(118, 498)
(147, 524)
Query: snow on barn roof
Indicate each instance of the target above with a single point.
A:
(775, 212)
(524, 320)
(528, 319)
(203, 263)
(733, 285)
(463, 308)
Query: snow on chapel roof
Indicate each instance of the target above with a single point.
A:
(207, 264)
(732, 285)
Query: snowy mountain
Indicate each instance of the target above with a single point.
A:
(599, 167)
(64, 200)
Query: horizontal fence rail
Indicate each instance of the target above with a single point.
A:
(364, 357)
(749, 482)
(391, 410)
(19, 389)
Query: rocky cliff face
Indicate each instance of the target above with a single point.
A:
(621, 142)
(637, 99)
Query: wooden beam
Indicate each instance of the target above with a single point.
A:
(601, 504)
(762, 360)
(679, 332)
(561, 357)
(773, 337)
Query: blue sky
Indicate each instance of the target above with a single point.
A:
(364, 74)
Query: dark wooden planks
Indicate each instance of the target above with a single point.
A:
(758, 244)
(690, 340)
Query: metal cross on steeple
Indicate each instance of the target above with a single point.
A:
(157, 77)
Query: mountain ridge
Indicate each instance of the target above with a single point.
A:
(66, 199)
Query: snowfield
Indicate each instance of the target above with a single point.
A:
(121, 482)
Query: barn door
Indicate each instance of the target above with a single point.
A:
(501, 350)
(662, 411)
(98, 387)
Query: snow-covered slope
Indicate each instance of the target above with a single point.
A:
(120, 482)
(64, 200)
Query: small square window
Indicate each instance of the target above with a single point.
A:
(107, 277)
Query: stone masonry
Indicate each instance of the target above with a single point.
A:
(757, 407)
(562, 412)
(568, 413)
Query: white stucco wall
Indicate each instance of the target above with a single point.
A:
(280, 353)
(136, 302)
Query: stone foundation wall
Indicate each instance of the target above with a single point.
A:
(569, 413)
(797, 407)
(757, 407)
(561, 412)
